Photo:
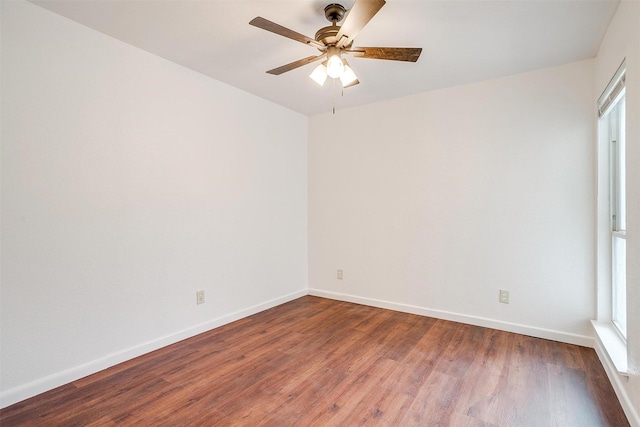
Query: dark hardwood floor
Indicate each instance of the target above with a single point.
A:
(315, 361)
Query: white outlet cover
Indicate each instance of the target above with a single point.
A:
(504, 297)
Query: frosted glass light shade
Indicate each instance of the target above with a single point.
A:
(319, 74)
(335, 67)
(348, 76)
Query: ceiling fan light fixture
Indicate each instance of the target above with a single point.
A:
(319, 74)
(348, 76)
(334, 40)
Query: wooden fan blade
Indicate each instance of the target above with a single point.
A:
(295, 64)
(352, 84)
(359, 15)
(285, 32)
(410, 54)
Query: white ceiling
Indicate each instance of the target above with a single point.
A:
(463, 41)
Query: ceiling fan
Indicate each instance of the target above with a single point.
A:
(335, 40)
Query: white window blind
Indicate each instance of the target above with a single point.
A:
(613, 91)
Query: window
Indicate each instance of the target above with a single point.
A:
(618, 217)
(611, 110)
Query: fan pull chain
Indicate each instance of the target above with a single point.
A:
(333, 94)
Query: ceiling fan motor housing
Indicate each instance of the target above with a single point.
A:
(327, 35)
(334, 12)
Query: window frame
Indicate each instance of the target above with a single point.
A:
(614, 119)
(607, 334)
(611, 108)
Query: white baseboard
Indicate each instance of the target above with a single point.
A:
(618, 382)
(532, 331)
(17, 394)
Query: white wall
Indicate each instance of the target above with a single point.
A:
(432, 203)
(129, 183)
(623, 41)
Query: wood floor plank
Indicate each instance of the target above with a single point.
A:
(381, 401)
(600, 390)
(436, 398)
(319, 362)
(488, 382)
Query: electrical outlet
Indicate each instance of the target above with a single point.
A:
(200, 297)
(340, 274)
(504, 296)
